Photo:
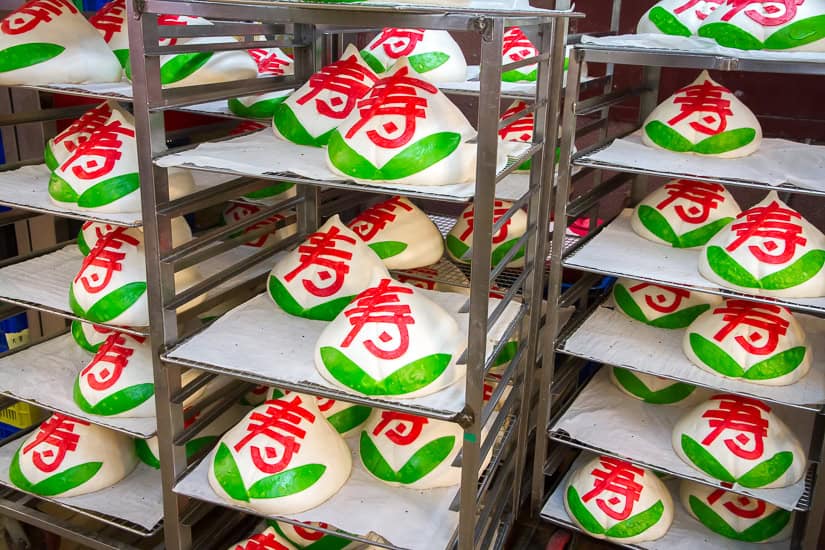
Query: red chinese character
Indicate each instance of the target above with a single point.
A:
(770, 222)
(381, 304)
(79, 131)
(310, 534)
(499, 209)
(410, 277)
(618, 478)
(769, 325)
(280, 423)
(741, 506)
(321, 250)
(174, 20)
(743, 416)
(347, 79)
(110, 19)
(237, 212)
(770, 14)
(376, 218)
(666, 299)
(270, 62)
(31, 14)
(396, 96)
(113, 353)
(704, 198)
(325, 404)
(262, 541)
(98, 154)
(401, 428)
(705, 100)
(520, 129)
(398, 42)
(55, 438)
(105, 255)
(704, 8)
(517, 46)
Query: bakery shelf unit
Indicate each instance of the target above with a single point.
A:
(640, 432)
(270, 348)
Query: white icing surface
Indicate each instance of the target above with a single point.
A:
(393, 44)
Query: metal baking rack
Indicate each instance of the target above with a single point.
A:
(487, 501)
(584, 194)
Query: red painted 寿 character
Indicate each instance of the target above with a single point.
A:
(108, 364)
(269, 62)
(348, 79)
(703, 7)
(741, 505)
(98, 155)
(770, 14)
(666, 300)
(262, 541)
(78, 132)
(55, 437)
(517, 46)
(324, 250)
(110, 19)
(30, 15)
(520, 129)
(367, 224)
(774, 224)
(499, 209)
(704, 198)
(400, 428)
(107, 255)
(765, 319)
(398, 42)
(742, 416)
(381, 304)
(706, 103)
(617, 478)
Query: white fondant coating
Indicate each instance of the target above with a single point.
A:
(392, 44)
(94, 335)
(512, 230)
(515, 48)
(657, 301)
(691, 15)
(272, 61)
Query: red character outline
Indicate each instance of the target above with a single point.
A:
(107, 255)
(616, 477)
(666, 300)
(742, 416)
(372, 220)
(381, 304)
(27, 17)
(108, 364)
(740, 506)
(703, 197)
(396, 42)
(765, 319)
(775, 224)
(326, 250)
(400, 428)
(347, 80)
(58, 436)
(706, 102)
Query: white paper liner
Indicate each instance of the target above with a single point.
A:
(261, 153)
(44, 375)
(137, 498)
(408, 518)
(776, 162)
(609, 251)
(606, 420)
(44, 281)
(697, 44)
(260, 340)
(28, 188)
(609, 336)
(685, 533)
(473, 84)
(116, 90)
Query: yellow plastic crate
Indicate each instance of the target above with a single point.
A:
(22, 415)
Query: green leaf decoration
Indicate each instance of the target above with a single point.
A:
(114, 303)
(456, 247)
(415, 158)
(580, 512)
(798, 33)
(108, 191)
(701, 236)
(75, 307)
(82, 244)
(409, 378)
(704, 461)
(199, 444)
(327, 542)
(508, 351)
(60, 190)
(288, 482)
(80, 337)
(349, 418)
(292, 130)
(805, 268)
(228, 475)
(714, 357)
(730, 36)
(425, 62)
(729, 269)
(726, 141)
(388, 249)
(48, 158)
(66, 480)
(637, 524)
(374, 63)
(680, 319)
(666, 396)
(145, 455)
(322, 312)
(116, 403)
(260, 109)
(667, 138)
(270, 191)
(519, 76)
(182, 65)
(656, 223)
(762, 530)
(421, 463)
(26, 55)
(122, 57)
(778, 365)
(767, 472)
(500, 251)
(667, 22)
(627, 304)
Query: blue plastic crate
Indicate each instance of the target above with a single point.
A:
(10, 326)
(6, 430)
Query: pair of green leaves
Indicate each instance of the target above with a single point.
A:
(326, 542)
(667, 138)
(349, 418)
(458, 248)
(422, 462)
(675, 320)
(175, 69)
(796, 34)
(111, 305)
(672, 394)
(193, 447)
(282, 484)
(803, 269)
(292, 130)
(80, 338)
(760, 475)
(57, 484)
(119, 402)
(408, 379)
(668, 23)
(719, 360)
(264, 108)
(414, 159)
(100, 194)
(657, 224)
(421, 62)
(762, 530)
(322, 312)
(631, 527)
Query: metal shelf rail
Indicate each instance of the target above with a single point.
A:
(573, 200)
(486, 501)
